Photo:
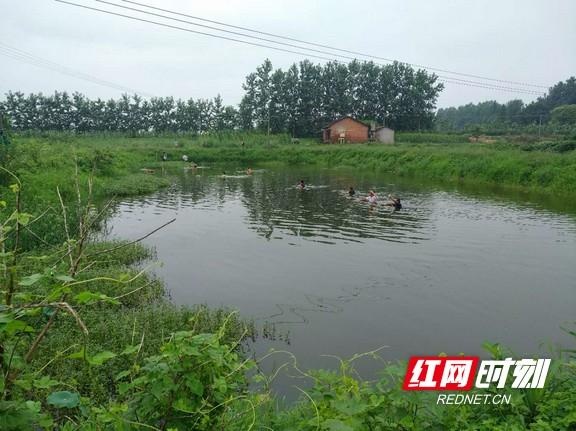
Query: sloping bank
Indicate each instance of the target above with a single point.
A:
(545, 171)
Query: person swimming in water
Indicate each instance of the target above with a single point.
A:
(301, 185)
(394, 201)
(351, 192)
(249, 171)
(371, 198)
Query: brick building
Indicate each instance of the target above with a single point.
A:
(346, 130)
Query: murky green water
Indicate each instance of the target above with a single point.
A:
(449, 271)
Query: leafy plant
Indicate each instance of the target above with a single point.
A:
(186, 386)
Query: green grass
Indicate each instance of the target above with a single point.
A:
(431, 138)
(144, 314)
(47, 162)
(337, 399)
(134, 184)
(469, 163)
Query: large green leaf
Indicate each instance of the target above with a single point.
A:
(64, 399)
(336, 425)
(65, 278)
(45, 382)
(349, 407)
(77, 355)
(88, 297)
(23, 218)
(101, 357)
(98, 359)
(184, 405)
(14, 326)
(130, 350)
(30, 280)
(194, 385)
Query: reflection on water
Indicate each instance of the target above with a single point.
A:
(449, 271)
(277, 209)
(326, 214)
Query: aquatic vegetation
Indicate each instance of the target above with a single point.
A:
(134, 184)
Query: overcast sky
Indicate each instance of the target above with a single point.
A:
(531, 41)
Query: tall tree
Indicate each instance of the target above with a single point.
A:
(248, 104)
(309, 99)
(262, 95)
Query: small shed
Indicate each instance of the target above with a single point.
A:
(346, 130)
(384, 135)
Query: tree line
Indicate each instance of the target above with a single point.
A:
(307, 96)
(298, 101)
(555, 107)
(130, 114)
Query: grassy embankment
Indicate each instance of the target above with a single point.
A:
(548, 166)
(129, 306)
(143, 318)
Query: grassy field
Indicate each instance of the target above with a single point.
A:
(549, 166)
(143, 363)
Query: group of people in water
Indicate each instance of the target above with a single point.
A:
(393, 201)
(372, 198)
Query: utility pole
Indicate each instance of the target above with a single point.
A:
(268, 123)
(3, 130)
(540, 127)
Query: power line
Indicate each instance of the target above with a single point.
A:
(192, 31)
(25, 57)
(224, 31)
(500, 117)
(33, 62)
(489, 87)
(435, 69)
(450, 80)
(347, 57)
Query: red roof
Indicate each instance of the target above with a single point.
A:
(343, 118)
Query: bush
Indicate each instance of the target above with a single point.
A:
(135, 184)
(188, 385)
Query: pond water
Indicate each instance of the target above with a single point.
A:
(336, 276)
